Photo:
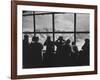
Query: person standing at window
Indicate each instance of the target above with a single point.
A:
(66, 53)
(74, 54)
(26, 53)
(86, 50)
(59, 51)
(36, 52)
(49, 55)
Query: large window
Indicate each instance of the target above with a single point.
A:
(73, 26)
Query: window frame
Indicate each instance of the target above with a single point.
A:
(74, 32)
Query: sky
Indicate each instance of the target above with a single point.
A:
(63, 22)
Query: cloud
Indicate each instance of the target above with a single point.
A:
(63, 22)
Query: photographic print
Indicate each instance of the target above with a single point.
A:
(53, 39)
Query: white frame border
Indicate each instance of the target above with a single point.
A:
(21, 71)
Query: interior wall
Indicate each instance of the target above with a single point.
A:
(5, 40)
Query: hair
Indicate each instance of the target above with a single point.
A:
(33, 38)
(86, 40)
(68, 41)
(26, 36)
(48, 37)
(60, 38)
(37, 39)
(73, 43)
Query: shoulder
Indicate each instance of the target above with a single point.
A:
(39, 43)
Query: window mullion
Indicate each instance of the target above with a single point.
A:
(34, 22)
(75, 28)
(53, 26)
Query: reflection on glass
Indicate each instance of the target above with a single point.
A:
(27, 23)
(64, 22)
(82, 22)
(43, 23)
(80, 39)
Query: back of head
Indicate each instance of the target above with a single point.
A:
(33, 39)
(73, 43)
(37, 39)
(60, 38)
(68, 41)
(26, 38)
(86, 40)
(48, 38)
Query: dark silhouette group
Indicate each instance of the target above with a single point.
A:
(65, 54)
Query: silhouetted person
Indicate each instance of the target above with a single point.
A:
(85, 49)
(49, 45)
(36, 52)
(66, 53)
(26, 53)
(67, 48)
(49, 55)
(74, 54)
(59, 44)
(74, 49)
(84, 53)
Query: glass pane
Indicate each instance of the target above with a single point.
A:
(27, 23)
(82, 22)
(43, 23)
(64, 22)
(80, 39)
